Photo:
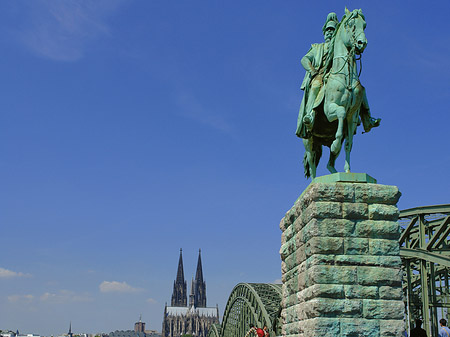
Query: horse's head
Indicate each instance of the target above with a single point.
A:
(354, 24)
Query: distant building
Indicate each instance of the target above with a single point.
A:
(9, 333)
(139, 326)
(195, 319)
(132, 333)
(139, 331)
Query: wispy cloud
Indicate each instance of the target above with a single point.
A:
(151, 301)
(118, 287)
(192, 108)
(61, 30)
(278, 281)
(5, 273)
(20, 298)
(65, 296)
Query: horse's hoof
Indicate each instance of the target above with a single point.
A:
(335, 146)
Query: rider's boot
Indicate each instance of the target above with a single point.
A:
(369, 122)
(308, 120)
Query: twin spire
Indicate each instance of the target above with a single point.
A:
(197, 297)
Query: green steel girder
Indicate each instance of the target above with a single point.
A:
(424, 248)
(425, 255)
(214, 330)
(251, 303)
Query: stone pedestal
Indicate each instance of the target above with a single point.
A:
(341, 268)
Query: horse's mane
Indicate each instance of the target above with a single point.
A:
(345, 18)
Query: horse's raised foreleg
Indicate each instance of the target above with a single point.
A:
(339, 112)
(309, 160)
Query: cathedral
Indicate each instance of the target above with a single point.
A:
(193, 319)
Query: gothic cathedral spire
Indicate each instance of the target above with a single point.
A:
(200, 285)
(179, 295)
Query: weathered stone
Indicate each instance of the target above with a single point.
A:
(382, 309)
(379, 276)
(328, 227)
(322, 210)
(391, 293)
(287, 249)
(329, 307)
(377, 194)
(331, 274)
(329, 192)
(383, 212)
(356, 246)
(378, 229)
(392, 328)
(320, 327)
(367, 260)
(341, 268)
(358, 291)
(384, 247)
(322, 290)
(324, 245)
(355, 211)
(351, 327)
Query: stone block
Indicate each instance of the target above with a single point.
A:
(328, 192)
(378, 229)
(328, 227)
(359, 291)
(356, 246)
(377, 194)
(379, 276)
(383, 212)
(351, 327)
(287, 249)
(392, 328)
(330, 307)
(391, 293)
(320, 259)
(331, 275)
(335, 291)
(357, 211)
(324, 245)
(320, 327)
(322, 210)
(367, 260)
(382, 309)
(384, 247)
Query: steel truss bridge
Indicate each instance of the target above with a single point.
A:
(425, 252)
(250, 303)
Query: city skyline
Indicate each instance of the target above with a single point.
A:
(129, 129)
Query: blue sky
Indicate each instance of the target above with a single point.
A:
(131, 129)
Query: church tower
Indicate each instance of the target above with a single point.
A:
(199, 285)
(179, 295)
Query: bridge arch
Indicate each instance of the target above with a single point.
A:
(251, 303)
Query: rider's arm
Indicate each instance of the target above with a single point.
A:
(307, 61)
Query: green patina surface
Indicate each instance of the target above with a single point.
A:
(334, 102)
(347, 177)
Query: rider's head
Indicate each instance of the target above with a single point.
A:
(330, 26)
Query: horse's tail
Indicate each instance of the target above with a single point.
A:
(316, 154)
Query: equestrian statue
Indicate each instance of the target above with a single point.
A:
(334, 101)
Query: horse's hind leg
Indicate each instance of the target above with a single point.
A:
(310, 165)
(332, 161)
(349, 144)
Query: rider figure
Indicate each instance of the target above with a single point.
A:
(317, 66)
